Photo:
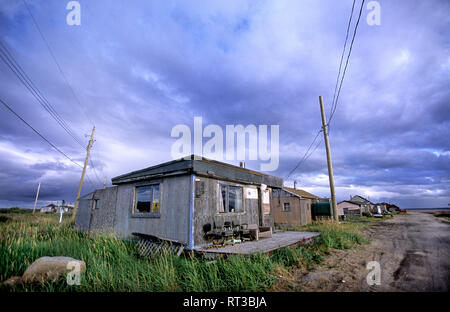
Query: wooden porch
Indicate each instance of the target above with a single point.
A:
(278, 240)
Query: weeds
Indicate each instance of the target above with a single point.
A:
(112, 264)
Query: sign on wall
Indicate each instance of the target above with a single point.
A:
(251, 193)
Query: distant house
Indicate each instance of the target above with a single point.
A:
(52, 207)
(364, 204)
(49, 208)
(349, 208)
(390, 207)
(68, 208)
(292, 206)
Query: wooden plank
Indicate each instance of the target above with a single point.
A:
(265, 245)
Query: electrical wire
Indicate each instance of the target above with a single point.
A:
(336, 95)
(45, 139)
(9, 60)
(38, 133)
(347, 61)
(305, 157)
(56, 61)
(342, 58)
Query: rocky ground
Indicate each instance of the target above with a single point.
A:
(413, 251)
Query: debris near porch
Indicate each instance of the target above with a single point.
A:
(230, 233)
(150, 245)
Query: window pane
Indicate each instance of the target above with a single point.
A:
(155, 206)
(223, 198)
(143, 198)
(235, 199)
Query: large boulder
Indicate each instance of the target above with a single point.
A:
(50, 269)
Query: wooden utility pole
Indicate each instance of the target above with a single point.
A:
(37, 195)
(330, 165)
(75, 208)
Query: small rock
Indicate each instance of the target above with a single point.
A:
(13, 281)
(50, 269)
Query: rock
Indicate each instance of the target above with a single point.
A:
(13, 281)
(50, 269)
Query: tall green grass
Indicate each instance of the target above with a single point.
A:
(114, 265)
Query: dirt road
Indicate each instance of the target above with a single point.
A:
(413, 251)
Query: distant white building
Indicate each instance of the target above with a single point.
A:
(55, 208)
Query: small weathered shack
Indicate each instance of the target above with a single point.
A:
(390, 207)
(292, 206)
(349, 208)
(180, 201)
(364, 204)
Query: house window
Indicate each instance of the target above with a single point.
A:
(286, 206)
(231, 198)
(147, 199)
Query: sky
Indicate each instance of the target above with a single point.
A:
(139, 68)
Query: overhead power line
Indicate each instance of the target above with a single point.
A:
(95, 171)
(43, 137)
(305, 156)
(342, 58)
(346, 63)
(337, 90)
(56, 61)
(15, 67)
(47, 44)
(38, 133)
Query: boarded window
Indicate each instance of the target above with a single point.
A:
(199, 188)
(147, 199)
(230, 198)
(286, 207)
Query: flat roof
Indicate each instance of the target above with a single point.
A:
(200, 166)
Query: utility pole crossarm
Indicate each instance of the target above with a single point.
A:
(330, 165)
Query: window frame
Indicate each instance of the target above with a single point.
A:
(284, 207)
(220, 199)
(151, 214)
(95, 205)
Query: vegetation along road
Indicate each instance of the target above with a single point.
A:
(413, 251)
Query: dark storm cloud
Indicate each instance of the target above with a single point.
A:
(139, 69)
